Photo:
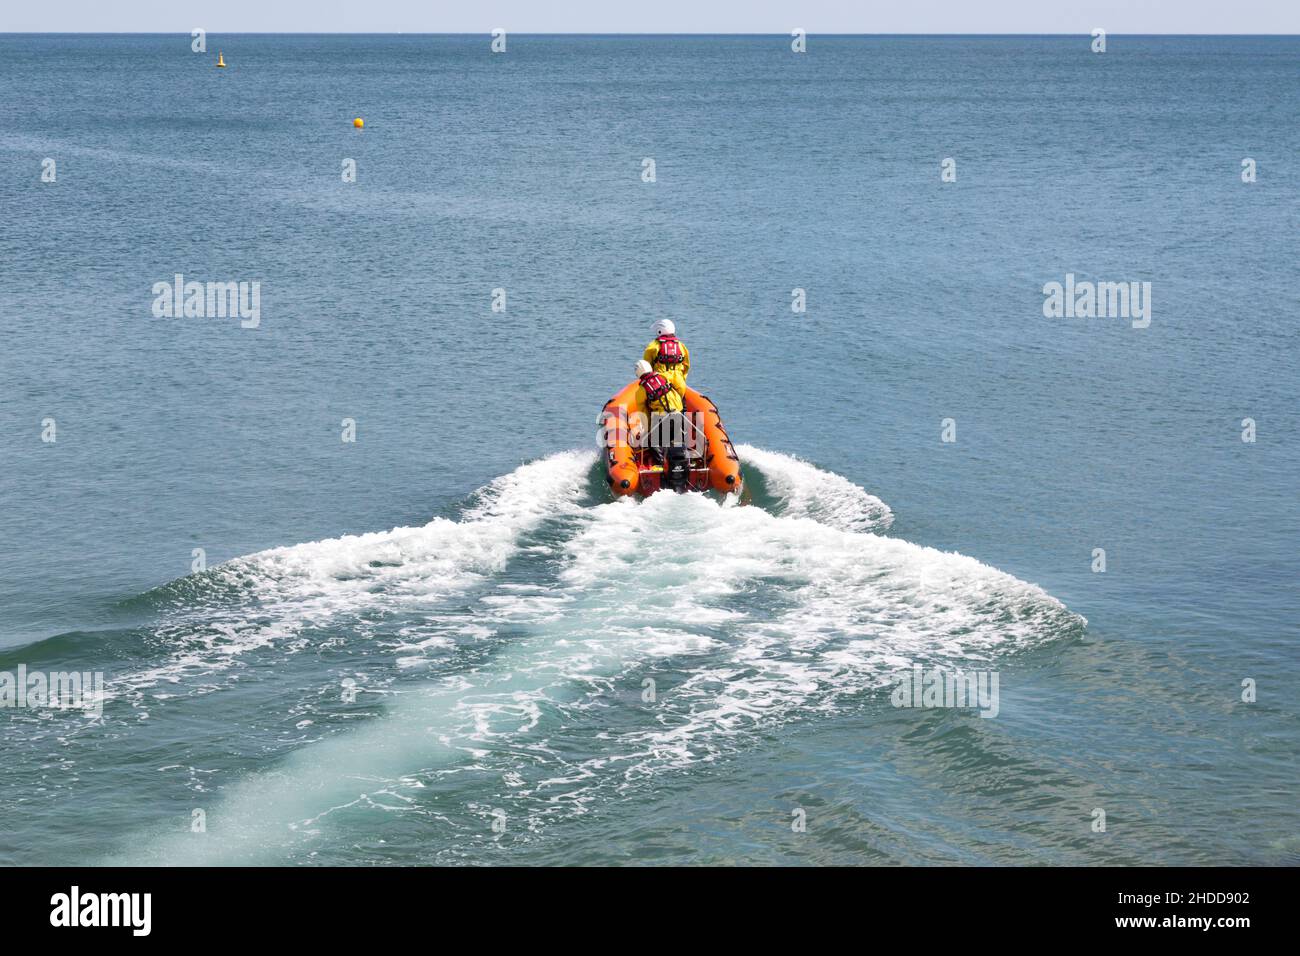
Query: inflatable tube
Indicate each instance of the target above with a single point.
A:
(620, 458)
(724, 463)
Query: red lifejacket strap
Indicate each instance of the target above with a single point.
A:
(670, 350)
(655, 385)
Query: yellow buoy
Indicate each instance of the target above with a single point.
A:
(358, 122)
(221, 60)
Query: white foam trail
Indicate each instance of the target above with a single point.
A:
(844, 613)
(283, 591)
(806, 491)
(407, 562)
(771, 619)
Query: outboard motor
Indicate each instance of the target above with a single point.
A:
(677, 468)
(668, 438)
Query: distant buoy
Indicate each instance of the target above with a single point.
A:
(358, 122)
(221, 60)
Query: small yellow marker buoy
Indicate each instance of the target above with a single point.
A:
(221, 60)
(358, 122)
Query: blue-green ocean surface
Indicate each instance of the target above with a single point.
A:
(443, 643)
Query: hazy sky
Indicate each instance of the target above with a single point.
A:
(654, 16)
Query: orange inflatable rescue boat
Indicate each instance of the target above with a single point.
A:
(689, 451)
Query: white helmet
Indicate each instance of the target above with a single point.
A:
(642, 367)
(665, 327)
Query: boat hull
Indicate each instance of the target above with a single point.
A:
(631, 468)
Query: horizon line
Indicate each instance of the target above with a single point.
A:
(547, 33)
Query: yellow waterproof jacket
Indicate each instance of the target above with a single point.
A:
(670, 401)
(676, 374)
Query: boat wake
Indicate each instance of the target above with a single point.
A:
(548, 651)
